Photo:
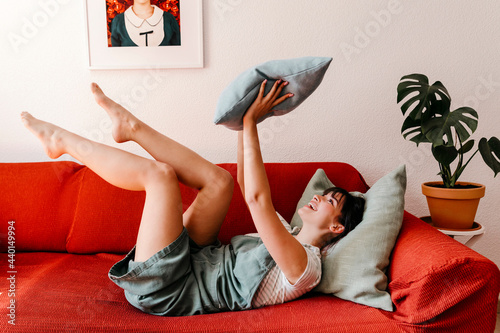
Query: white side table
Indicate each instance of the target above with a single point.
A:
(468, 237)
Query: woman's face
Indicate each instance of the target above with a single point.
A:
(323, 210)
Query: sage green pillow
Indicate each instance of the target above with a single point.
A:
(354, 267)
(303, 75)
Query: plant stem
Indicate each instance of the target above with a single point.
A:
(470, 158)
(458, 169)
(445, 175)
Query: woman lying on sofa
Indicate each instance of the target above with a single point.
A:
(178, 266)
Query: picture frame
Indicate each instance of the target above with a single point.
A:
(101, 55)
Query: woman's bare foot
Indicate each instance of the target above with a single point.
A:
(49, 134)
(124, 123)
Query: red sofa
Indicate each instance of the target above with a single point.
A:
(69, 226)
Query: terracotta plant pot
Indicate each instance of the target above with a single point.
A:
(450, 207)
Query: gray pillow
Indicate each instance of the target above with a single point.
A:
(303, 74)
(354, 267)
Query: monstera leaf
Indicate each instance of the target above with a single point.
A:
(490, 151)
(463, 121)
(445, 155)
(420, 97)
(412, 129)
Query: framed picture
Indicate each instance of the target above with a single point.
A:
(138, 34)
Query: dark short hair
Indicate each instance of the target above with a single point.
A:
(352, 210)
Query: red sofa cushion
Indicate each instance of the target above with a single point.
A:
(106, 217)
(41, 199)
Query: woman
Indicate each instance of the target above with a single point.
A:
(178, 267)
(143, 24)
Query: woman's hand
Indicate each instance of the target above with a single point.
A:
(265, 104)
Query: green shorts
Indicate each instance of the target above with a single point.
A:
(186, 279)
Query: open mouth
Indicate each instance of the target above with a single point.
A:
(312, 206)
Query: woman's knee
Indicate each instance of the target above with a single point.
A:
(159, 172)
(222, 180)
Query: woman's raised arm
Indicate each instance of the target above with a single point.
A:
(286, 251)
(240, 166)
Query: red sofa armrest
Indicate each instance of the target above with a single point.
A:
(433, 278)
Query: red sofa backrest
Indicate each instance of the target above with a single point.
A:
(65, 207)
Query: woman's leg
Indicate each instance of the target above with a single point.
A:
(161, 221)
(204, 217)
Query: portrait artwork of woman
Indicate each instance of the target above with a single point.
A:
(143, 24)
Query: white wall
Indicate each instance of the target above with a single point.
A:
(352, 117)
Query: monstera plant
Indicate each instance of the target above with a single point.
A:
(429, 119)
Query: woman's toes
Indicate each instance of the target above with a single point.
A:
(46, 132)
(95, 88)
